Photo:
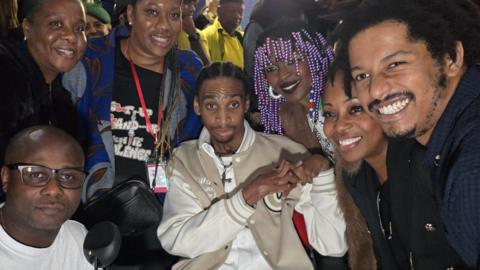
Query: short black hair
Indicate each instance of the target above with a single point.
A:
(222, 69)
(339, 66)
(16, 144)
(30, 7)
(438, 23)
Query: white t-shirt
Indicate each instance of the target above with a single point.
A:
(65, 253)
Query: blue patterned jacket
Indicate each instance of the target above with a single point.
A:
(90, 83)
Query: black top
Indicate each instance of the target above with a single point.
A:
(133, 144)
(27, 100)
(418, 237)
(364, 188)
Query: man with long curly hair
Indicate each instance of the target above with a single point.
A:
(414, 67)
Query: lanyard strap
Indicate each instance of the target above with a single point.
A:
(144, 106)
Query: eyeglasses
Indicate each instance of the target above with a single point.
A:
(39, 176)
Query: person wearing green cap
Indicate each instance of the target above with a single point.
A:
(98, 20)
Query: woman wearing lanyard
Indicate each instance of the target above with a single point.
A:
(136, 90)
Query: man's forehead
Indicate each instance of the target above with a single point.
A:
(221, 94)
(382, 41)
(43, 141)
(396, 28)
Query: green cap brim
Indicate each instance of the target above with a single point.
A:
(97, 11)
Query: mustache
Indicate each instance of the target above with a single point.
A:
(376, 102)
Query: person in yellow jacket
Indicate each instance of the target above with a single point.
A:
(189, 38)
(224, 37)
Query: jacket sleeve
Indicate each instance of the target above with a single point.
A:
(460, 198)
(190, 66)
(77, 82)
(323, 219)
(188, 230)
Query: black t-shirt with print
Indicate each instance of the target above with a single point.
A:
(133, 144)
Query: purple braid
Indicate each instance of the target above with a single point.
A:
(318, 56)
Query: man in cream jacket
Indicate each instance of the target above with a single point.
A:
(232, 192)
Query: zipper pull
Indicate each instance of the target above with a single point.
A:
(411, 261)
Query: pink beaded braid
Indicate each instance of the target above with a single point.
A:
(318, 56)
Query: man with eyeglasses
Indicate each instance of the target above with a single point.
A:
(42, 177)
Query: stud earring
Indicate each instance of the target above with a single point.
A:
(272, 93)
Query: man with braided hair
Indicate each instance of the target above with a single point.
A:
(233, 191)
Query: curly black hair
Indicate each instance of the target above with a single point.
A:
(439, 23)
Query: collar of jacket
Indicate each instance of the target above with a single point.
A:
(465, 93)
(247, 141)
(220, 29)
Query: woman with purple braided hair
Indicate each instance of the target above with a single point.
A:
(290, 71)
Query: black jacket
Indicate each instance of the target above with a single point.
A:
(25, 98)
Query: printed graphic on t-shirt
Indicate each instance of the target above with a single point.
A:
(130, 137)
(133, 144)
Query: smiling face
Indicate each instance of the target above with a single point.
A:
(290, 78)
(155, 26)
(96, 28)
(354, 132)
(397, 79)
(56, 37)
(221, 103)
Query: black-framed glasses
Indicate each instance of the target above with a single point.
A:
(38, 176)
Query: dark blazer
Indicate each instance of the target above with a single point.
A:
(453, 160)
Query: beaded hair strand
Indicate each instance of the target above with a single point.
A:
(313, 49)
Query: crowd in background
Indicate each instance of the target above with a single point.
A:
(334, 134)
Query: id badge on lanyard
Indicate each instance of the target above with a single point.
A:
(157, 174)
(156, 164)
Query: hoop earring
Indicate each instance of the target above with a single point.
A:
(273, 94)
